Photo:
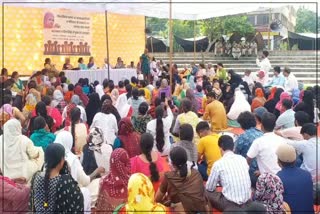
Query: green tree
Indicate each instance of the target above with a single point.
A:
(156, 25)
(214, 28)
(306, 21)
(239, 24)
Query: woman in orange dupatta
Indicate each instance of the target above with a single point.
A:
(259, 100)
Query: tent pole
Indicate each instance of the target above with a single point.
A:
(194, 41)
(171, 43)
(107, 38)
(269, 42)
(151, 44)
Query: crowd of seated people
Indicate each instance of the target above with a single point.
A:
(210, 142)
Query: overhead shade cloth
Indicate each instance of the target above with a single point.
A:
(188, 44)
(156, 45)
(303, 42)
(181, 9)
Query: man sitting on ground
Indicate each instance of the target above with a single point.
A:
(215, 113)
(232, 171)
(208, 149)
(297, 182)
(286, 119)
(264, 148)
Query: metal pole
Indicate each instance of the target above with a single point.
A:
(269, 42)
(151, 44)
(107, 38)
(194, 41)
(171, 42)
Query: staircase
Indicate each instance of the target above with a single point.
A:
(303, 64)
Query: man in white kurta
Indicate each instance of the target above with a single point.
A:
(264, 66)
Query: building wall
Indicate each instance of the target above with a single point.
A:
(23, 39)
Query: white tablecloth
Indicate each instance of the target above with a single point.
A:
(100, 74)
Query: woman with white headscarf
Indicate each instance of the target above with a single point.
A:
(19, 157)
(58, 101)
(239, 105)
(122, 106)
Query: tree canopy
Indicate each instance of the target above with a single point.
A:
(306, 21)
(213, 28)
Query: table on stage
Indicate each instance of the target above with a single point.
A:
(100, 74)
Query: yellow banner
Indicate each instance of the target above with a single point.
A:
(24, 39)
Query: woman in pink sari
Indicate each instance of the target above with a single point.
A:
(15, 195)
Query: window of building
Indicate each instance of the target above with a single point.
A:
(263, 19)
(251, 20)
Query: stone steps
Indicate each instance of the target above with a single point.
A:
(271, 53)
(303, 64)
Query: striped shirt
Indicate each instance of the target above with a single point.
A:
(232, 172)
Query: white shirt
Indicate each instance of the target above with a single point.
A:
(265, 66)
(232, 172)
(167, 122)
(309, 150)
(108, 124)
(291, 83)
(105, 66)
(264, 149)
(250, 79)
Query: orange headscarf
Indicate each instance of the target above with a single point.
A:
(272, 93)
(259, 92)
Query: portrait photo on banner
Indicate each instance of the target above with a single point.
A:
(67, 32)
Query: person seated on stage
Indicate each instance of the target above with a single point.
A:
(119, 63)
(51, 67)
(106, 64)
(82, 66)
(67, 65)
(131, 65)
(236, 51)
(91, 64)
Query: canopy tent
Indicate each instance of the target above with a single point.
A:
(156, 45)
(181, 9)
(305, 41)
(188, 44)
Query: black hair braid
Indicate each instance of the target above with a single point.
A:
(153, 168)
(75, 117)
(73, 134)
(183, 170)
(159, 134)
(46, 187)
